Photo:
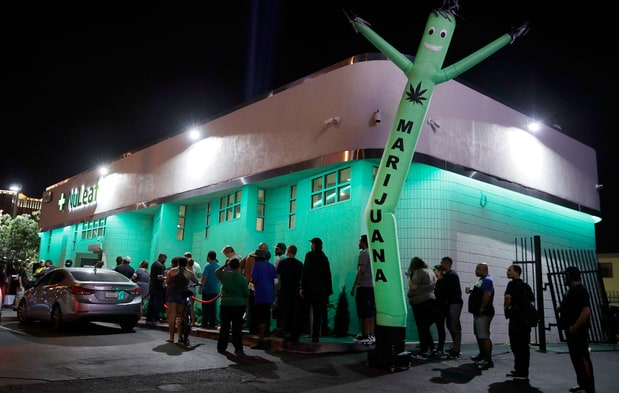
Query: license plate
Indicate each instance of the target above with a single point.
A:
(111, 294)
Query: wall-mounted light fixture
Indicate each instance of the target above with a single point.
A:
(377, 117)
(336, 120)
(433, 124)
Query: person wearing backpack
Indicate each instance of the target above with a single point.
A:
(518, 296)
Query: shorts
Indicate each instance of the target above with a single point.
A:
(261, 313)
(178, 299)
(366, 304)
(481, 326)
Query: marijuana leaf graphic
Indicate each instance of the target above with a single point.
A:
(416, 95)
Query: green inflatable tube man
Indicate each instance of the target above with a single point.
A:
(423, 74)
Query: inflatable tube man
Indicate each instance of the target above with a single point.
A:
(423, 74)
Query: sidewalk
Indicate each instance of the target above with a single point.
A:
(550, 371)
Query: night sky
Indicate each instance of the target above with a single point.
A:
(83, 82)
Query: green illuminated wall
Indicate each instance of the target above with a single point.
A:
(440, 213)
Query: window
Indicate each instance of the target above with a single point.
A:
(180, 223)
(292, 207)
(93, 229)
(331, 188)
(230, 206)
(207, 220)
(606, 269)
(261, 207)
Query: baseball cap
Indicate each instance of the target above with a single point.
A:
(364, 238)
(128, 259)
(316, 241)
(281, 246)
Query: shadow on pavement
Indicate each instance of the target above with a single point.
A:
(512, 387)
(461, 374)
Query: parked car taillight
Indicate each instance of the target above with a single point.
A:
(81, 291)
(135, 291)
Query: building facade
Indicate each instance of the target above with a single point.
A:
(300, 163)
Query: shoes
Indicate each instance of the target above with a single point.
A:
(239, 353)
(222, 351)
(370, 340)
(419, 356)
(360, 337)
(453, 354)
(260, 345)
(437, 353)
(476, 358)
(577, 389)
(485, 364)
(517, 375)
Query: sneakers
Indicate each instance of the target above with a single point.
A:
(419, 356)
(239, 353)
(453, 354)
(517, 375)
(437, 353)
(370, 340)
(485, 364)
(476, 358)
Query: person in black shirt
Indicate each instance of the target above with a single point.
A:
(156, 289)
(574, 314)
(517, 296)
(454, 310)
(316, 285)
(289, 272)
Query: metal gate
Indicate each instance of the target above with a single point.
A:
(529, 256)
(586, 261)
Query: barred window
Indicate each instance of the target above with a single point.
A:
(331, 188)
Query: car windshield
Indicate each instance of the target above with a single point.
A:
(98, 275)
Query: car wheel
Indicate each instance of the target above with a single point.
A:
(22, 314)
(56, 319)
(127, 326)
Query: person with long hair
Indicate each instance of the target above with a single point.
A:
(178, 278)
(421, 297)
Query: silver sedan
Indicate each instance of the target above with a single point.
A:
(69, 295)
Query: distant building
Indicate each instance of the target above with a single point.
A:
(25, 205)
(300, 163)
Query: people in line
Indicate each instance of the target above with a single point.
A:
(178, 279)
(263, 277)
(211, 287)
(233, 305)
(421, 282)
(142, 278)
(454, 310)
(442, 308)
(574, 319)
(363, 292)
(194, 289)
(289, 273)
(156, 289)
(197, 269)
(481, 306)
(517, 296)
(316, 285)
(124, 266)
(247, 265)
(280, 254)
(229, 253)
